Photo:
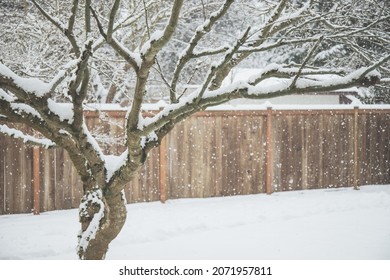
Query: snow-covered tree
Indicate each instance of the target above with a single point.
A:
(353, 51)
(138, 45)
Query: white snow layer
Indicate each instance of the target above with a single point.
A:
(314, 224)
(32, 85)
(156, 35)
(63, 110)
(113, 163)
(24, 137)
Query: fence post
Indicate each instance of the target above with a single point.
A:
(36, 182)
(162, 170)
(355, 148)
(269, 151)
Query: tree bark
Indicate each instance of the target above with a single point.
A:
(102, 216)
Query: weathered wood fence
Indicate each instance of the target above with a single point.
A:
(215, 153)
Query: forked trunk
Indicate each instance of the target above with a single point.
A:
(102, 217)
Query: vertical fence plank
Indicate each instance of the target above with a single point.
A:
(36, 184)
(163, 150)
(269, 151)
(11, 177)
(217, 157)
(2, 175)
(355, 148)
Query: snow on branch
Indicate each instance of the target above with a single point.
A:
(6, 97)
(82, 64)
(61, 75)
(34, 86)
(28, 139)
(274, 70)
(227, 58)
(90, 199)
(385, 81)
(254, 89)
(309, 55)
(10, 80)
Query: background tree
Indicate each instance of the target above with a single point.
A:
(120, 50)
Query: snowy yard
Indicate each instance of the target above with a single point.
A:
(315, 224)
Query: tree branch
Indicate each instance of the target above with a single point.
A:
(188, 53)
(67, 31)
(82, 65)
(157, 43)
(261, 38)
(309, 55)
(171, 114)
(99, 24)
(73, 16)
(113, 12)
(87, 15)
(148, 54)
(228, 56)
(130, 58)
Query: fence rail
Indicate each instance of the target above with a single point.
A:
(214, 153)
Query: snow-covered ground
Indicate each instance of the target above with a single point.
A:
(315, 224)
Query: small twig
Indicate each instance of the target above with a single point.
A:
(309, 55)
(159, 70)
(110, 28)
(99, 24)
(146, 18)
(228, 57)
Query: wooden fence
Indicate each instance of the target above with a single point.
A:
(214, 153)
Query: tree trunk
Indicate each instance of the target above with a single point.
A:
(102, 217)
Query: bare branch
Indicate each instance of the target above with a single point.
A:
(53, 20)
(113, 13)
(73, 16)
(146, 18)
(130, 57)
(156, 44)
(189, 51)
(99, 24)
(309, 55)
(87, 15)
(228, 56)
(160, 72)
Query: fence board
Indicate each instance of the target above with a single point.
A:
(2, 175)
(62, 174)
(216, 153)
